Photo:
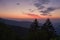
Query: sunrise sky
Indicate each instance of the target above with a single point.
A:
(30, 9)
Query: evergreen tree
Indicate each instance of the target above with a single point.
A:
(33, 32)
(34, 25)
(48, 27)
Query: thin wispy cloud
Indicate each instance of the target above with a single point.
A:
(32, 15)
(48, 10)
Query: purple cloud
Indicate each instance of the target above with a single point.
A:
(40, 4)
(17, 3)
(48, 10)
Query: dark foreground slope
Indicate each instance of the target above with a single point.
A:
(13, 30)
(9, 32)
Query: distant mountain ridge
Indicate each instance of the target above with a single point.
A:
(25, 24)
(16, 23)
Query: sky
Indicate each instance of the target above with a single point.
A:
(30, 9)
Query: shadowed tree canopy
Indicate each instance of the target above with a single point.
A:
(33, 31)
(48, 27)
(34, 25)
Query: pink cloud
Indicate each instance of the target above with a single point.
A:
(33, 15)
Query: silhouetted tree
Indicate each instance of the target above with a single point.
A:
(50, 31)
(34, 25)
(33, 32)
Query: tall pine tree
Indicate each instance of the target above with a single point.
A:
(48, 27)
(34, 25)
(33, 31)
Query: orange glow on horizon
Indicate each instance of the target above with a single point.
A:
(27, 16)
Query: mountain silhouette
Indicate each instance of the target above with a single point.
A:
(17, 23)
